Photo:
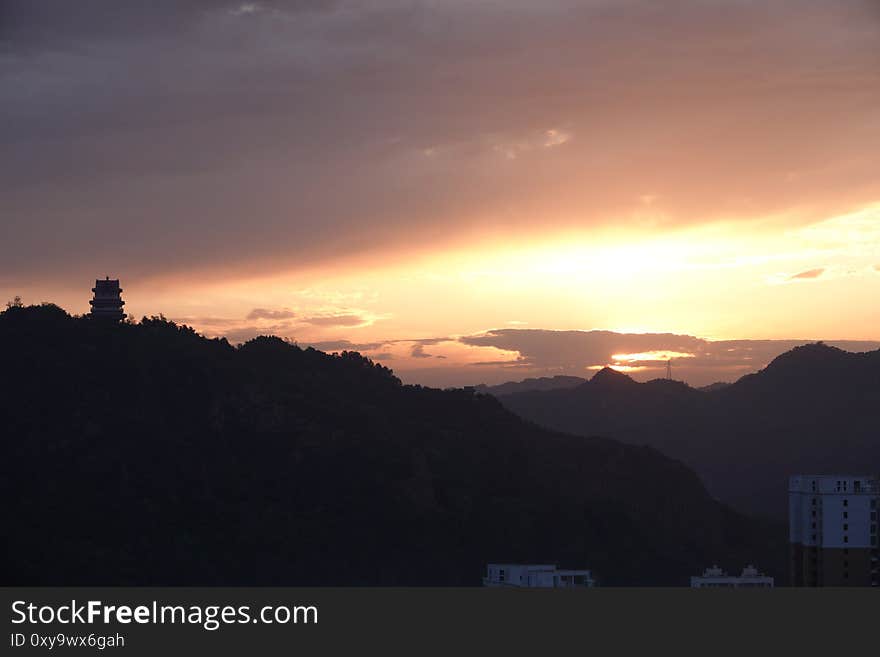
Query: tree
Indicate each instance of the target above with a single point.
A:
(15, 303)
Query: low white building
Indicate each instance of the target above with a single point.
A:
(714, 577)
(536, 576)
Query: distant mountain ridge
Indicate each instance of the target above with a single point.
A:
(526, 385)
(712, 387)
(557, 382)
(812, 409)
(147, 454)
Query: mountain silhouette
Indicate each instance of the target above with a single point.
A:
(812, 409)
(143, 453)
(610, 379)
(538, 383)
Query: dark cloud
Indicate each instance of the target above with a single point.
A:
(263, 313)
(36, 25)
(177, 136)
(426, 341)
(418, 351)
(809, 274)
(504, 364)
(577, 349)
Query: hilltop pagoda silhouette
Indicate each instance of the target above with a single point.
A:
(107, 302)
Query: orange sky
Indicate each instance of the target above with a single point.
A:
(719, 281)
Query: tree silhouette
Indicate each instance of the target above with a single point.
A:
(147, 454)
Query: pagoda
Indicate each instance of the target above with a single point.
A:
(107, 303)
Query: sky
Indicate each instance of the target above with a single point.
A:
(465, 191)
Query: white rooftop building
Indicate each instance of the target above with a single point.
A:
(714, 577)
(536, 576)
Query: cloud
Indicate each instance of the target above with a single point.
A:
(140, 137)
(503, 364)
(808, 275)
(427, 341)
(574, 350)
(245, 9)
(34, 26)
(418, 351)
(245, 333)
(783, 278)
(345, 345)
(554, 137)
(206, 321)
(343, 319)
(263, 313)
(512, 148)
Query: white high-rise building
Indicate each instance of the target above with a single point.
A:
(833, 530)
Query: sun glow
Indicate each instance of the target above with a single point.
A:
(717, 280)
(650, 356)
(617, 367)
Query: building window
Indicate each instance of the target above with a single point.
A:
(845, 527)
(845, 502)
(814, 525)
(846, 539)
(814, 501)
(846, 514)
(814, 513)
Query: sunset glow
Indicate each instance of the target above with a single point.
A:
(626, 369)
(654, 356)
